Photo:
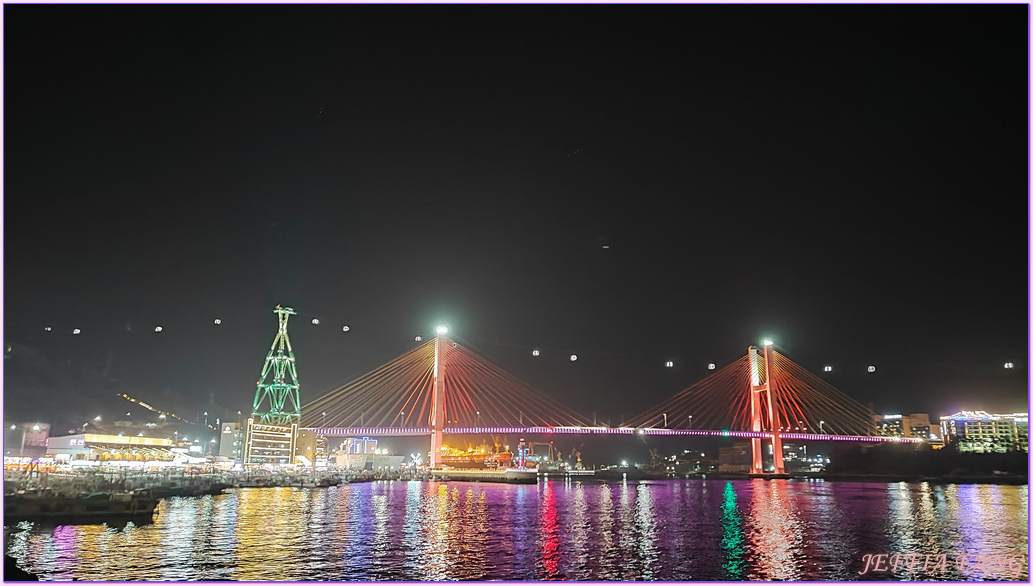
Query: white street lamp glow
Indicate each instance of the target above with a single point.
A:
(711, 366)
(442, 330)
(871, 368)
(768, 342)
(157, 328)
(1009, 365)
(315, 322)
(669, 364)
(535, 352)
(217, 321)
(573, 357)
(418, 338)
(828, 368)
(76, 331)
(345, 328)
(47, 328)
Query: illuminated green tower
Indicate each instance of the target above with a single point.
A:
(279, 381)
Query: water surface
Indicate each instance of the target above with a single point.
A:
(575, 530)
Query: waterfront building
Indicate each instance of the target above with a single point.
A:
(95, 447)
(797, 459)
(231, 442)
(979, 431)
(363, 454)
(270, 443)
(914, 425)
(311, 448)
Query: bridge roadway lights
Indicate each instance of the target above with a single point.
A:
(418, 431)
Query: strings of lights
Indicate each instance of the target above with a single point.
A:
(347, 329)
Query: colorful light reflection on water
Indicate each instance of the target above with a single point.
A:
(650, 530)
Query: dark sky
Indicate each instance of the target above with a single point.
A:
(848, 180)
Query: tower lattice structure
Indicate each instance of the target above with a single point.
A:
(278, 398)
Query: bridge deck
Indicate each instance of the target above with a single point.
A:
(418, 431)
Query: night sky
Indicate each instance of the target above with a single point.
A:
(632, 183)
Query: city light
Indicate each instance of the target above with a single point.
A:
(345, 328)
(1009, 365)
(76, 331)
(442, 330)
(669, 364)
(828, 368)
(217, 321)
(768, 343)
(573, 357)
(157, 328)
(315, 322)
(711, 366)
(535, 352)
(871, 368)
(47, 328)
(97, 418)
(419, 338)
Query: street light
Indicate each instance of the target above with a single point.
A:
(442, 330)
(690, 421)
(821, 427)
(768, 343)
(665, 420)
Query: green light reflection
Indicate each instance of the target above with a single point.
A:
(733, 540)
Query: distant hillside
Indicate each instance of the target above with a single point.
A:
(70, 392)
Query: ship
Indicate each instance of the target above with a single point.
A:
(480, 465)
(476, 459)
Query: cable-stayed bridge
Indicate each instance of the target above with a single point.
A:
(443, 387)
